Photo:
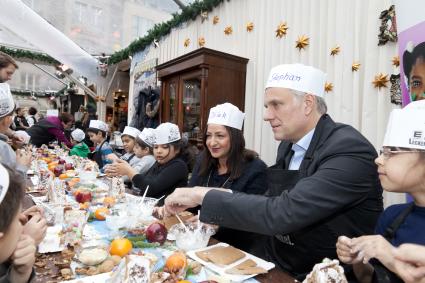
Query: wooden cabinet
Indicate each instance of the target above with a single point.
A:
(195, 82)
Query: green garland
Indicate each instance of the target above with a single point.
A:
(39, 93)
(25, 54)
(160, 30)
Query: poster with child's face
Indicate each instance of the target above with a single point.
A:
(411, 45)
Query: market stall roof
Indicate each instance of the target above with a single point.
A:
(39, 33)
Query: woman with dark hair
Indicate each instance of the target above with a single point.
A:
(50, 129)
(414, 70)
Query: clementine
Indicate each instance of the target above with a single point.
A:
(100, 213)
(109, 201)
(63, 176)
(120, 247)
(176, 261)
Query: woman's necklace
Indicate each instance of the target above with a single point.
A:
(222, 185)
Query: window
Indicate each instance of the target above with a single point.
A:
(79, 14)
(97, 14)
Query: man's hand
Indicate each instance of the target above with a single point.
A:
(409, 262)
(23, 259)
(183, 198)
(36, 228)
(374, 246)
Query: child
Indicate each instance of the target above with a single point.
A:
(169, 170)
(128, 138)
(103, 153)
(143, 149)
(401, 168)
(22, 159)
(80, 148)
(17, 255)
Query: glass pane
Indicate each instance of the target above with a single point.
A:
(173, 101)
(192, 109)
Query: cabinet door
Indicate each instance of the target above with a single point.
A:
(191, 101)
(171, 101)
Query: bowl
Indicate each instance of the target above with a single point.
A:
(192, 238)
(88, 175)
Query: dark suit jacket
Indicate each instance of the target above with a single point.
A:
(340, 188)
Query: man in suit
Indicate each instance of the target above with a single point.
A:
(324, 183)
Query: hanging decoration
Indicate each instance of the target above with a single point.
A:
(228, 30)
(25, 54)
(396, 61)
(355, 66)
(190, 13)
(380, 81)
(204, 16)
(201, 41)
(395, 89)
(302, 42)
(156, 43)
(335, 50)
(281, 30)
(329, 87)
(186, 42)
(388, 28)
(100, 98)
(216, 19)
(249, 26)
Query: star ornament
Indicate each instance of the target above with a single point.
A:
(396, 61)
(228, 30)
(302, 42)
(329, 87)
(335, 50)
(201, 41)
(216, 19)
(281, 30)
(249, 26)
(355, 67)
(186, 42)
(380, 80)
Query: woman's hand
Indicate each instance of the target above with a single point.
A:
(409, 262)
(118, 168)
(374, 246)
(344, 251)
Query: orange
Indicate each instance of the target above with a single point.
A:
(46, 159)
(84, 206)
(176, 261)
(51, 167)
(63, 176)
(120, 247)
(184, 281)
(109, 201)
(100, 213)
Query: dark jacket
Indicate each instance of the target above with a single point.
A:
(252, 181)
(339, 194)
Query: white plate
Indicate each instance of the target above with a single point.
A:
(51, 242)
(221, 270)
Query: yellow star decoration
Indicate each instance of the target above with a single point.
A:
(228, 30)
(281, 30)
(249, 26)
(396, 61)
(335, 50)
(355, 67)
(201, 41)
(329, 87)
(186, 42)
(302, 42)
(380, 80)
(215, 20)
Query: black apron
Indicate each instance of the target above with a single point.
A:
(129, 159)
(97, 156)
(381, 273)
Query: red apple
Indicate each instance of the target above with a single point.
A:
(156, 232)
(61, 161)
(83, 197)
(69, 166)
(58, 170)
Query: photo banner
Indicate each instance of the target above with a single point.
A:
(411, 48)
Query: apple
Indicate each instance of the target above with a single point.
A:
(62, 161)
(83, 197)
(69, 166)
(156, 232)
(58, 170)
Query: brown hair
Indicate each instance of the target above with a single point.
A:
(144, 145)
(237, 157)
(66, 117)
(6, 60)
(11, 203)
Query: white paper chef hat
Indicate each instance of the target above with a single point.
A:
(78, 135)
(406, 128)
(4, 182)
(167, 133)
(132, 132)
(298, 77)
(52, 112)
(99, 125)
(226, 114)
(24, 136)
(148, 136)
(7, 104)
